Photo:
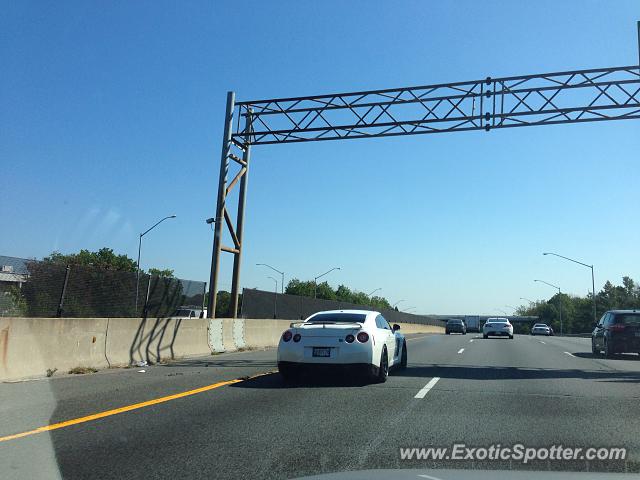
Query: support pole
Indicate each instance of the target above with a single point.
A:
(222, 182)
(64, 291)
(593, 283)
(237, 257)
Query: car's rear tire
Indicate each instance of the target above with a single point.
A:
(484, 335)
(511, 337)
(446, 332)
(404, 359)
(594, 349)
(289, 374)
(383, 368)
(608, 350)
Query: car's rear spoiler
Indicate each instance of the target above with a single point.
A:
(324, 324)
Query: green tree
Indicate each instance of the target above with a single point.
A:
(161, 272)
(104, 258)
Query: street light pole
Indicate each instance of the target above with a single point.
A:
(396, 304)
(138, 262)
(593, 282)
(275, 270)
(559, 299)
(374, 292)
(527, 299)
(315, 280)
(275, 298)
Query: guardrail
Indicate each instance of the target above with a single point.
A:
(31, 347)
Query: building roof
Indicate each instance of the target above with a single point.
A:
(18, 265)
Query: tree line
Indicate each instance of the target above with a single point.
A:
(341, 294)
(577, 312)
(97, 284)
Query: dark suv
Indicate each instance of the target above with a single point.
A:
(618, 331)
(455, 325)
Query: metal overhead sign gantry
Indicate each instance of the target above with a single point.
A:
(493, 103)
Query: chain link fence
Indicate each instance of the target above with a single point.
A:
(261, 304)
(32, 288)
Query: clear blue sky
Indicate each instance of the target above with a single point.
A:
(111, 116)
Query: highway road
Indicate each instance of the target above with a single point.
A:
(244, 422)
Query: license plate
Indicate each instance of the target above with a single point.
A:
(321, 352)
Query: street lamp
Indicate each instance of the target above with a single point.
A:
(275, 270)
(406, 310)
(511, 307)
(559, 299)
(275, 297)
(139, 248)
(528, 300)
(396, 304)
(315, 280)
(374, 291)
(593, 282)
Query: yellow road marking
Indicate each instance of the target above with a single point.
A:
(126, 408)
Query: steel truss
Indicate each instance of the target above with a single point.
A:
(493, 103)
(545, 99)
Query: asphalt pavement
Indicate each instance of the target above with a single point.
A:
(231, 416)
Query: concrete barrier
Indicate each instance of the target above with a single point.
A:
(130, 340)
(31, 346)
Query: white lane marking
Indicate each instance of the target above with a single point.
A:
(417, 338)
(570, 354)
(471, 341)
(461, 350)
(544, 343)
(429, 477)
(427, 387)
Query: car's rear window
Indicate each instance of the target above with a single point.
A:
(629, 319)
(539, 325)
(457, 322)
(338, 318)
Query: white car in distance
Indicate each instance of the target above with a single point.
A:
(500, 327)
(354, 340)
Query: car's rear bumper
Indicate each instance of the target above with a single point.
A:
(344, 354)
(499, 334)
(623, 345)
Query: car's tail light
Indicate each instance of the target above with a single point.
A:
(363, 337)
(618, 327)
(297, 337)
(349, 338)
(286, 336)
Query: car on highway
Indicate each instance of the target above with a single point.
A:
(499, 327)
(188, 312)
(617, 331)
(541, 329)
(360, 341)
(455, 325)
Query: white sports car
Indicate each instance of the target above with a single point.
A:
(497, 327)
(358, 340)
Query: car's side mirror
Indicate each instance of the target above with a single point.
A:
(396, 327)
